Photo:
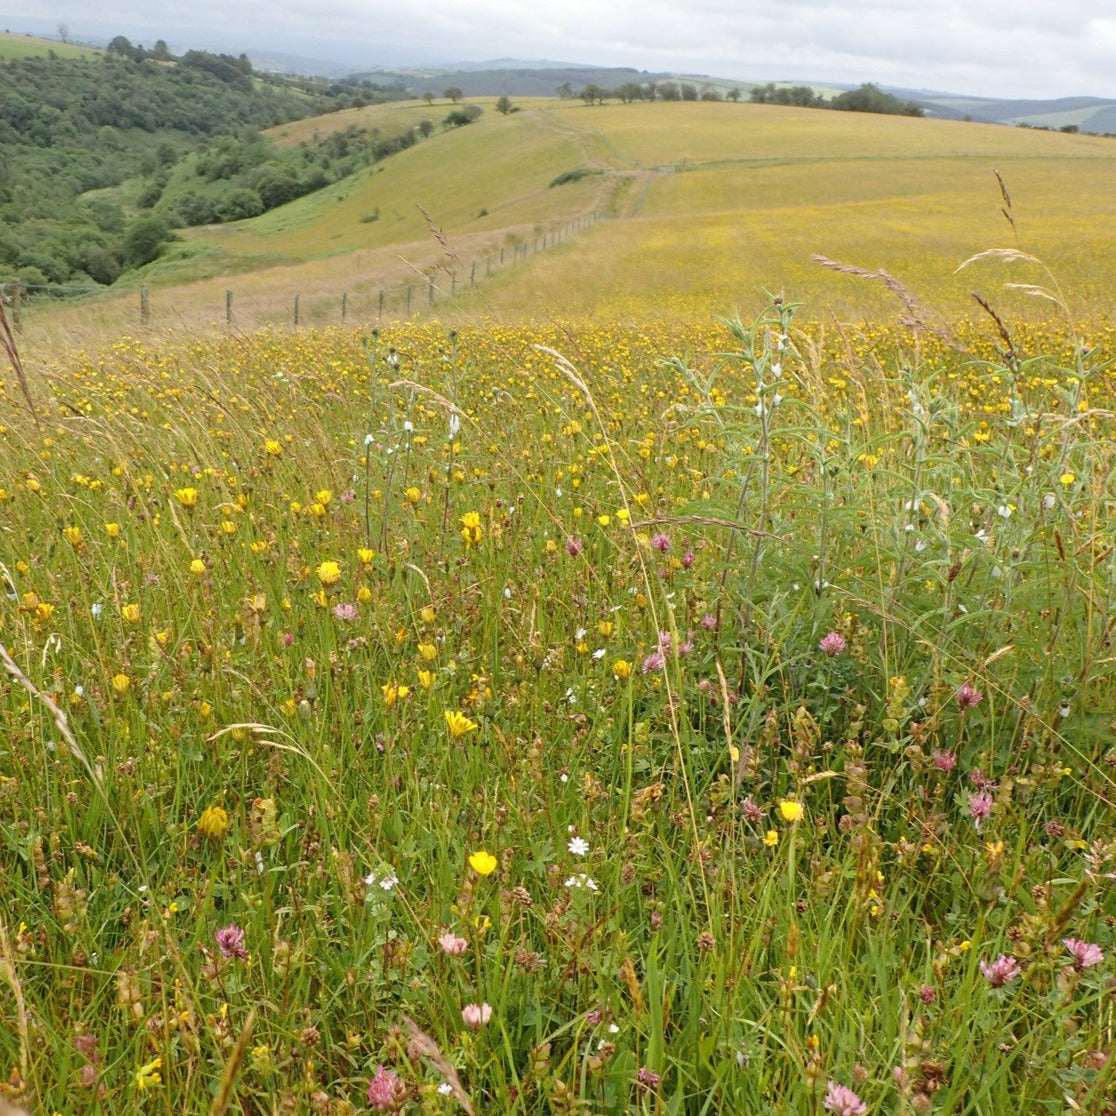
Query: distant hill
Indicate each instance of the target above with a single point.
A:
(1086, 114)
(515, 79)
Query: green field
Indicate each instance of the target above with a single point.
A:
(699, 209)
(30, 46)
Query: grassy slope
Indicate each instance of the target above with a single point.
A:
(28, 46)
(711, 203)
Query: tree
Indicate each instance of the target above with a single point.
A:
(462, 116)
(669, 91)
(453, 94)
(64, 32)
(160, 51)
(689, 91)
(122, 46)
(426, 126)
(428, 96)
(565, 91)
(144, 241)
(503, 104)
(733, 94)
(593, 92)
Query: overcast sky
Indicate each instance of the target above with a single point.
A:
(996, 48)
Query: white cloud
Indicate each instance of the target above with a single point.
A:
(991, 47)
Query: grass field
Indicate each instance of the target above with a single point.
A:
(586, 703)
(30, 46)
(698, 209)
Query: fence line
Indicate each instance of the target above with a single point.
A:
(396, 298)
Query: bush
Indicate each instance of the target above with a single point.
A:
(574, 175)
(462, 116)
(144, 241)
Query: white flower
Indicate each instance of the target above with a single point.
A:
(389, 881)
(97, 608)
(581, 880)
(408, 426)
(454, 424)
(368, 440)
(578, 846)
(1004, 511)
(445, 1089)
(599, 653)
(1049, 500)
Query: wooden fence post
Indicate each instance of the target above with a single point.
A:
(381, 304)
(344, 305)
(296, 310)
(145, 305)
(228, 307)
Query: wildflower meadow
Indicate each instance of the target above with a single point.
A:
(584, 720)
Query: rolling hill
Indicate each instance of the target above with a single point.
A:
(675, 211)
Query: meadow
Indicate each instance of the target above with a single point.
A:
(516, 720)
(580, 703)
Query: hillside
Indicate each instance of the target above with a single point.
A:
(696, 210)
(77, 125)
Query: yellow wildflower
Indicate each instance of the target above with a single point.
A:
(771, 838)
(790, 811)
(187, 497)
(329, 573)
(197, 567)
(621, 668)
(458, 724)
(213, 823)
(393, 692)
(148, 1076)
(483, 863)
(131, 613)
(121, 683)
(471, 530)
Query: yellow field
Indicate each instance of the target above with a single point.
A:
(699, 208)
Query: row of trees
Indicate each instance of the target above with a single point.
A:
(646, 91)
(868, 98)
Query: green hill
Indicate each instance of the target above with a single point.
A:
(676, 210)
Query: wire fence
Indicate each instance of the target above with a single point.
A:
(365, 300)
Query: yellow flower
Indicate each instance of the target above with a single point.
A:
(458, 725)
(364, 595)
(365, 554)
(329, 573)
(790, 811)
(148, 1076)
(1067, 478)
(471, 530)
(72, 535)
(623, 516)
(272, 447)
(112, 530)
(427, 614)
(131, 613)
(413, 495)
(187, 497)
(323, 497)
(428, 652)
(214, 823)
(483, 863)
(393, 692)
(426, 679)
(771, 838)
(121, 683)
(197, 567)
(604, 520)
(621, 669)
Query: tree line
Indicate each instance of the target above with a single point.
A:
(867, 98)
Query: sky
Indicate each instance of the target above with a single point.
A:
(993, 48)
